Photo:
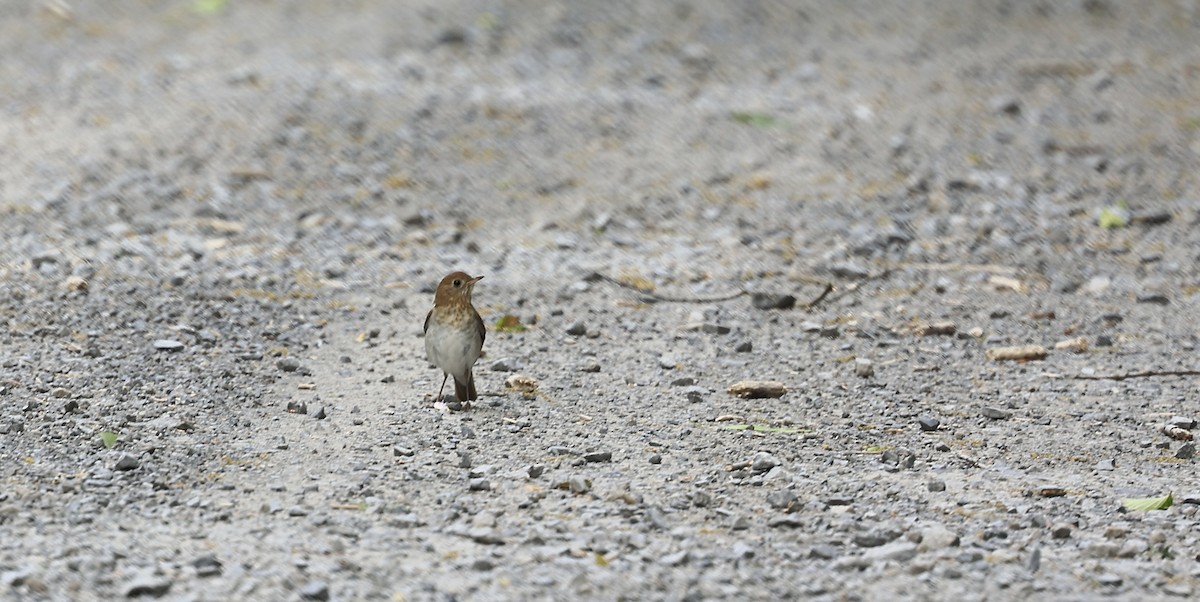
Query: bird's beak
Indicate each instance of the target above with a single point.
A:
(474, 280)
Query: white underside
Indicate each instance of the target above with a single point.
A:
(453, 355)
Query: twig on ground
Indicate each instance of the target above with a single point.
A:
(1138, 374)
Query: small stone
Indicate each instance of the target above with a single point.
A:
(898, 551)
(928, 423)
(936, 486)
(668, 362)
(942, 328)
(771, 301)
(902, 458)
(1061, 531)
(1186, 451)
(483, 564)
(1035, 560)
(823, 551)
(694, 394)
(1005, 105)
(591, 367)
(126, 462)
(937, 537)
(320, 415)
(504, 365)
(579, 485)
(1104, 340)
(1108, 464)
(598, 457)
(675, 559)
(577, 329)
(398, 451)
(147, 584)
(168, 345)
(1115, 532)
(743, 347)
(1155, 298)
(757, 389)
(288, 364)
(763, 462)
(1110, 580)
(864, 368)
(995, 413)
(315, 590)
(299, 510)
(685, 381)
(479, 485)
(535, 470)
(207, 566)
(655, 458)
(783, 500)
(1182, 422)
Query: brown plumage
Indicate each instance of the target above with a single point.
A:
(454, 334)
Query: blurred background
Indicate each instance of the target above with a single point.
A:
(362, 141)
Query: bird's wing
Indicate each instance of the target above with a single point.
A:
(425, 328)
(481, 328)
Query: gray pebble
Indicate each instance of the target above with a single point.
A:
(928, 423)
(535, 470)
(1182, 422)
(1186, 451)
(1110, 580)
(1155, 298)
(126, 462)
(579, 485)
(898, 551)
(1061, 531)
(772, 301)
(288, 364)
(936, 486)
(168, 345)
(744, 347)
(577, 329)
(824, 551)
(1108, 464)
(763, 462)
(685, 381)
(591, 367)
(147, 583)
(675, 559)
(783, 500)
(315, 590)
(480, 484)
(598, 456)
(655, 459)
(504, 365)
(864, 368)
(995, 413)
(207, 565)
(668, 362)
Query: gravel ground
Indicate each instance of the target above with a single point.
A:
(223, 223)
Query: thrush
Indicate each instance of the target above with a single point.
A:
(454, 334)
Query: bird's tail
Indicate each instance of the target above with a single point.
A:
(465, 391)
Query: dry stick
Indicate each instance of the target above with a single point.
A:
(657, 297)
(1140, 374)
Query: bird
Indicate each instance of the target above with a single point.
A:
(454, 334)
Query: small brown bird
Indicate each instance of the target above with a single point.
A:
(454, 334)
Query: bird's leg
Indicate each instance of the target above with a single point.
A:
(443, 388)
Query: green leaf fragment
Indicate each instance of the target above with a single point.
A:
(756, 119)
(210, 7)
(108, 438)
(1148, 503)
(509, 323)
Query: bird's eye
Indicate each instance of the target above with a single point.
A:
(457, 283)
